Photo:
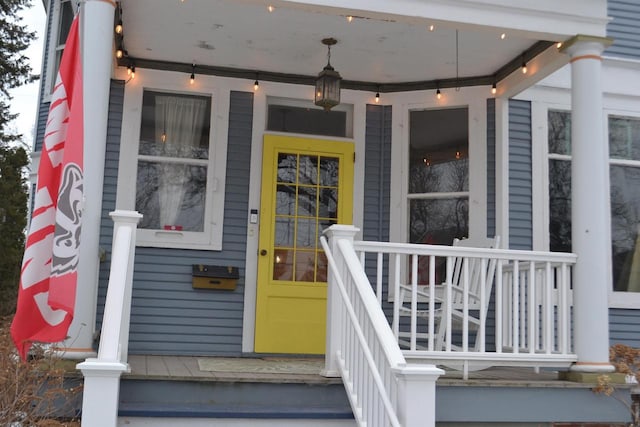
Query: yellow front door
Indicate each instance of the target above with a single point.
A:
(307, 185)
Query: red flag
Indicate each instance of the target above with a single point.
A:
(47, 293)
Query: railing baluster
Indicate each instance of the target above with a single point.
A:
(480, 346)
(414, 300)
(379, 265)
(548, 309)
(499, 306)
(465, 304)
(533, 308)
(516, 308)
(447, 303)
(432, 301)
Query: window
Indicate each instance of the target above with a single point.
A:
(624, 173)
(438, 190)
(173, 158)
(303, 117)
(62, 23)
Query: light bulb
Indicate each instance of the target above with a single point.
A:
(494, 89)
(119, 53)
(163, 137)
(524, 68)
(503, 36)
(192, 79)
(118, 28)
(457, 154)
(432, 27)
(377, 97)
(270, 8)
(438, 94)
(133, 72)
(559, 45)
(256, 85)
(349, 18)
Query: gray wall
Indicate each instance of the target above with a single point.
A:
(168, 316)
(520, 183)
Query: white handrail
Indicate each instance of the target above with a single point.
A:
(394, 358)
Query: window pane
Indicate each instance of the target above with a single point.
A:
(175, 125)
(287, 167)
(624, 138)
(308, 170)
(560, 205)
(625, 219)
(559, 132)
(438, 221)
(66, 17)
(283, 118)
(438, 151)
(171, 196)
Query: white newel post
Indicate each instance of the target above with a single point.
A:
(417, 395)
(96, 38)
(334, 313)
(590, 207)
(102, 374)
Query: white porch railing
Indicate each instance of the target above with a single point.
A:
(530, 295)
(102, 374)
(382, 389)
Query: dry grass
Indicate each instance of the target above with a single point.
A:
(36, 392)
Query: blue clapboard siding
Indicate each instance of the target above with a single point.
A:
(43, 108)
(377, 173)
(491, 167)
(168, 316)
(624, 28)
(520, 182)
(624, 327)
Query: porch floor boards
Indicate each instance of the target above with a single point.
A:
(241, 369)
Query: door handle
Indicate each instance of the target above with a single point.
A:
(263, 252)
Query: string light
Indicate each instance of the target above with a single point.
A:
(524, 67)
(349, 18)
(438, 94)
(559, 45)
(432, 27)
(503, 36)
(133, 71)
(494, 89)
(458, 155)
(270, 8)
(118, 28)
(192, 78)
(377, 97)
(119, 53)
(256, 85)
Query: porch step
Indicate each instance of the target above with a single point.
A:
(216, 399)
(256, 388)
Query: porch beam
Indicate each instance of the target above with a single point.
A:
(590, 205)
(529, 55)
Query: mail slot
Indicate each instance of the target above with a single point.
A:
(215, 277)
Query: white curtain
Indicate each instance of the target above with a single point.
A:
(179, 122)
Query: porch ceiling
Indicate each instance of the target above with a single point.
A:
(242, 38)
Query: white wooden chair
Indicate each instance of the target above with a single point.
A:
(471, 270)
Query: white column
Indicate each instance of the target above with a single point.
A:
(335, 323)
(590, 207)
(96, 43)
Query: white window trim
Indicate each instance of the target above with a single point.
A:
(625, 300)
(51, 70)
(475, 100)
(211, 237)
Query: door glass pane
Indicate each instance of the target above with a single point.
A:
(283, 264)
(287, 167)
(285, 199)
(306, 204)
(329, 171)
(285, 229)
(305, 266)
(560, 205)
(308, 173)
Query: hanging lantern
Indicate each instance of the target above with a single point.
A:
(327, 93)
